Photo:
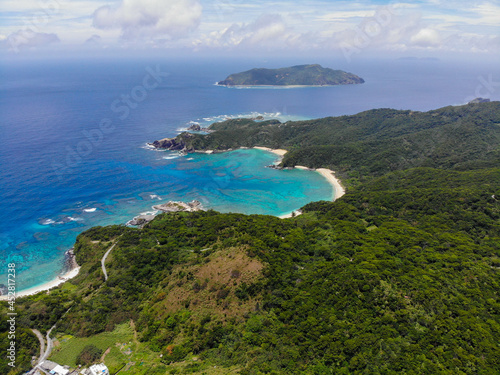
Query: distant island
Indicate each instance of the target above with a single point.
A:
(299, 75)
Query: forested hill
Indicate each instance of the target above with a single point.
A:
(399, 276)
(299, 75)
(370, 143)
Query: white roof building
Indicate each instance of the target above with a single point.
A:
(59, 370)
(99, 369)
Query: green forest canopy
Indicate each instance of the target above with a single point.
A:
(400, 275)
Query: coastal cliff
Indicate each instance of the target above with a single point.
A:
(173, 144)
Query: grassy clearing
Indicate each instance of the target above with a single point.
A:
(69, 347)
(128, 356)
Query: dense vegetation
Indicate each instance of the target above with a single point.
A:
(89, 355)
(26, 346)
(371, 143)
(399, 276)
(301, 75)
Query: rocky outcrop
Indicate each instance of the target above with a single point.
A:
(174, 206)
(198, 128)
(141, 220)
(195, 128)
(174, 144)
(479, 100)
(70, 260)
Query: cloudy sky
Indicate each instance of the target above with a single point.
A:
(427, 26)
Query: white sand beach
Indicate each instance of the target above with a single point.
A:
(330, 176)
(47, 286)
(326, 173)
(277, 151)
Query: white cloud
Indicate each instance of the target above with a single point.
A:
(150, 18)
(489, 14)
(28, 39)
(267, 31)
(436, 25)
(426, 38)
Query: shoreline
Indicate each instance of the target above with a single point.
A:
(277, 86)
(328, 174)
(59, 280)
(334, 181)
(277, 151)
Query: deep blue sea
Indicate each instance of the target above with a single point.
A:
(74, 136)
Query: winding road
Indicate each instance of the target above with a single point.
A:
(103, 260)
(44, 351)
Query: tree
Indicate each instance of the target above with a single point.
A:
(89, 354)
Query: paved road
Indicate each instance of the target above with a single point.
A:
(50, 345)
(35, 370)
(44, 351)
(42, 341)
(103, 260)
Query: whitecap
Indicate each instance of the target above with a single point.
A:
(154, 196)
(47, 222)
(148, 146)
(171, 157)
(93, 209)
(70, 218)
(149, 213)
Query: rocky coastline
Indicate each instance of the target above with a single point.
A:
(173, 144)
(170, 206)
(198, 128)
(177, 206)
(70, 260)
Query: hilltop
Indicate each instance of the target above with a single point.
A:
(299, 75)
(400, 275)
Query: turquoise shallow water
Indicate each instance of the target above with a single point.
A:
(48, 108)
(236, 181)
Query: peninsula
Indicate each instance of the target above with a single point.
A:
(399, 276)
(299, 75)
(377, 141)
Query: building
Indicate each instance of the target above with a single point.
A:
(53, 368)
(59, 370)
(99, 369)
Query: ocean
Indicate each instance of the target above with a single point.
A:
(74, 137)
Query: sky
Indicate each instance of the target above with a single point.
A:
(427, 27)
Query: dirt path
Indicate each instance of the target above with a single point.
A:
(105, 354)
(132, 325)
